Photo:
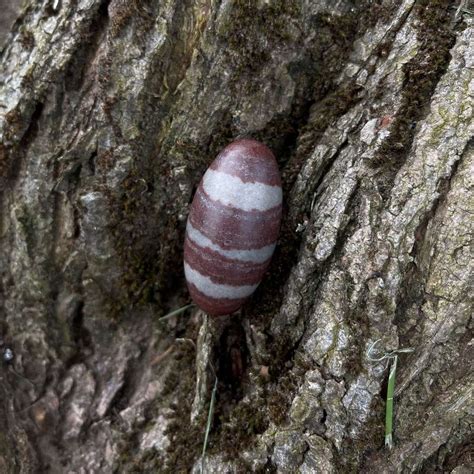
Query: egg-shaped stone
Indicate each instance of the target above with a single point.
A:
(233, 226)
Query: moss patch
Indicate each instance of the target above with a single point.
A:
(234, 431)
(264, 25)
(125, 12)
(27, 222)
(135, 232)
(12, 151)
(421, 75)
(186, 439)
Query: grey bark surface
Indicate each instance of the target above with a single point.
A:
(111, 110)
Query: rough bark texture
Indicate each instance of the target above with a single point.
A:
(111, 110)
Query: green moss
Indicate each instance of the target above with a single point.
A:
(421, 75)
(27, 39)
(264, 25)
(332, 106)
(280, 397)
(13, 123)
(134, 234)
(27, 224)
(236, 429)
(185, 439)
(4, 445)
(4, 161)
(126, 12)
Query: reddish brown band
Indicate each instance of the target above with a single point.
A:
(220, 269)
(250, 161)
(213, 306)
(232, 228)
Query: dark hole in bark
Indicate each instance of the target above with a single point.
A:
(80, 334)
(232, 354)
(33, 128)
(323, 417)
(91, 162)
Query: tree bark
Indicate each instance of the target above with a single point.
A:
(111, 110)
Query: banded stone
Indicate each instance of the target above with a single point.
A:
(233, 226)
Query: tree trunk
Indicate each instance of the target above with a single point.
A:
(111, 110)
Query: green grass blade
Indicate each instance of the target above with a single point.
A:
(389, 405)
(176, 312)
(208, 424)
